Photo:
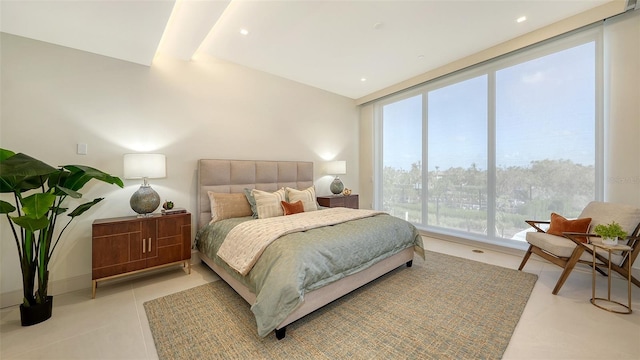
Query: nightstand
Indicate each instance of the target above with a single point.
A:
(128, 245)
(349, 201)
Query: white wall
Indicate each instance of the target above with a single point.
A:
(622, 108)
(55, 97)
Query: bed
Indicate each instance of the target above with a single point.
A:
(296, 272)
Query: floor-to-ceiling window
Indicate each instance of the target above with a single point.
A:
(478, 152)
(402, 154)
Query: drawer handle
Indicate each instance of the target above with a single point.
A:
(144, 246)
(149, 244)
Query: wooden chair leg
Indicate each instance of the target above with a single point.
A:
(571, 263)
(525, 258)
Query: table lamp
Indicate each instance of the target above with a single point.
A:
(144, 166)
(336, 168)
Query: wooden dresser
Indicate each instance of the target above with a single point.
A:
(127, 245)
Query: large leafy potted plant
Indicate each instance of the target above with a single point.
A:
(39, 191)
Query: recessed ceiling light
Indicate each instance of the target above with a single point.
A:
(420, 57)
(521, 19)
(363, 79)
(378, 26)
(244, 31)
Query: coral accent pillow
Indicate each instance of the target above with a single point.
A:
(559, 224)
(292, 208)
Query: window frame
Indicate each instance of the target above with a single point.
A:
(592, 33)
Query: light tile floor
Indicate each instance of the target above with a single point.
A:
(114, 325)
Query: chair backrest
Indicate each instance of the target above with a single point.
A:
(627, 216)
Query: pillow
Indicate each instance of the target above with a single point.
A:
(307, 196)
(292, 208)
(252, 202)
(268, 204)
(559, 225)
(225, 206)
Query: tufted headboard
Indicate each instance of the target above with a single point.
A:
(233, 176)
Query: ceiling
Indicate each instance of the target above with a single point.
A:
(331, 45)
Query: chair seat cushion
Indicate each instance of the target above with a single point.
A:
(563, 247)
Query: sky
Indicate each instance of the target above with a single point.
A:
(545, 109)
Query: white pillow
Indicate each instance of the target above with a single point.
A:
(268, 204)
(307, 196)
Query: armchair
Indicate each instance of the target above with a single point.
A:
(568, 250)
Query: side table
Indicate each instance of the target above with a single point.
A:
(349, 201)
(594, 299)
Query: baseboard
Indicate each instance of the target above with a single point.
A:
(195, 257)
(81, 282)
(57, 287)
(517, 250)
(10, 298)
(635, 268)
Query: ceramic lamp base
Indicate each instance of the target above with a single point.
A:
(336, 186)
(145, 200)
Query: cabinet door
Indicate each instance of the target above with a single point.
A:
(117, 249)
(149, 241)
(170, 239)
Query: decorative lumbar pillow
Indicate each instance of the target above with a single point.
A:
(559, 224)
(292, 208)
(252, 202)
(307, 196)
(268, 203)
(226, 206)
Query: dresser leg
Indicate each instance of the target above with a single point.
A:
(94, 285)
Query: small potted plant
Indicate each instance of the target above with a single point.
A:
(610, 233)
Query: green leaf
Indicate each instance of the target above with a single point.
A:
(80, 175)
(31, 224)
(56, 179)
(5, 154)
(70, 180)
(64, 190)
(38, 205)
(610, 230)
(84, 207)
(20, 172)
(6, 208)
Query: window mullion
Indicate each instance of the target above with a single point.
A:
(425, 157)
(491, 153)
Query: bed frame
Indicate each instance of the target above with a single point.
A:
(233, 176)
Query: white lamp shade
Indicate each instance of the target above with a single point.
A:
(138, 166)
(336, 167)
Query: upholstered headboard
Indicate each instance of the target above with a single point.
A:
(233, 176)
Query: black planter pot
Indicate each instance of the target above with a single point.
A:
(36, 314)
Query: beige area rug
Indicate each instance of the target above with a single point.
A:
(442, 308)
